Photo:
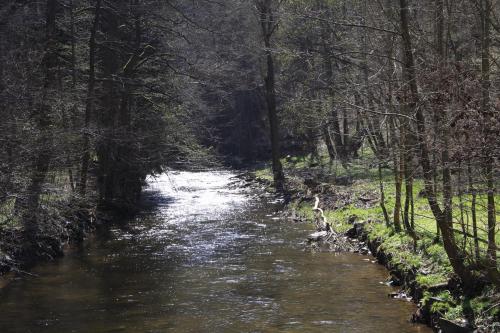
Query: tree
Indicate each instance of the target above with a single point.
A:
(89, 104)
(28, 204)
(443, 218)
(485, 14)
(269, 23)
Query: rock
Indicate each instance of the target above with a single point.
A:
(448, 326)
(360, 227)
(317, 236)
(351, 233)
(343, 181)
(395, 281)
(356, 230)
(418, 317)
(438, 287)
(366, 199)
(311, 182)
(352, 219)
(364, 250)
(400, 295)
(330, 179)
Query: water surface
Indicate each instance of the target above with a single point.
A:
(210, 255)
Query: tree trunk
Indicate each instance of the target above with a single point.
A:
(489, 117)
(408, 217)
(328, 142)
(279, 177)
(71, 176)
(465, 228)
(111, 62)
(398, 185)
(336, 135)
(268, 25)
(438, 116)
(492, 247)
(89, 105)
(29, 204)
(382, 196)
(473, 193)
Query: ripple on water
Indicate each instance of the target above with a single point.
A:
(206, 256)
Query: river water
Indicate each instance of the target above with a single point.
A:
(208, 255)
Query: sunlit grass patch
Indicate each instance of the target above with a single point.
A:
(7, 217)
(364, 172)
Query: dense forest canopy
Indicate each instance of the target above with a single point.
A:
(98, 94)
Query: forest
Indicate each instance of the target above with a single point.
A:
(398, 98)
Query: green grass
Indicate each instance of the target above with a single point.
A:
(481, 307)
(366, 180)
(264, 174)
(7, 217)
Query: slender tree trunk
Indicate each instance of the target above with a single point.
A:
(382, 196)
(492, 247)
(473, 193)
(398, 186)
(443, 124)
(279, 177)
(336, 135)
(408, 214)
(408, 192)
(393, 142)
(440, 29)
(71, 177)
(89, 104)
(268, 25)
(345, 129)
(328, 142)
(465, 228)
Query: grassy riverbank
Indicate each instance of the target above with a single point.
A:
(423, 270)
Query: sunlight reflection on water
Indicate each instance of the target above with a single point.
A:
(208, 255)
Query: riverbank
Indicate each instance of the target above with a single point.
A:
(62, 223)
(351, 203)
(211, 254)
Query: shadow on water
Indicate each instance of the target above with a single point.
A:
(205, 255)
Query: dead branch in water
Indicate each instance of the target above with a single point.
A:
(324, 229)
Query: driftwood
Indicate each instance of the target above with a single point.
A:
(320, 218)
(324, 229)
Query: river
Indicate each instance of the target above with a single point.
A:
(208, 254)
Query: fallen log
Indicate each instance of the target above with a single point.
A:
(324, 229)
(320, 218)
